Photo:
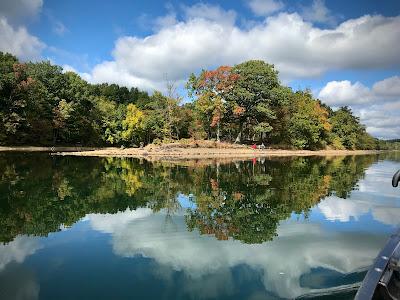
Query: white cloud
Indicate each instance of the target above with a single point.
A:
(117, 72)
(378, 107)
(17, 10)
(318, 13)
(14, 36)
(165, 21)
(68, 68)
(210, 13)
(265, 7)
(389, 87)
(338, 93)
(298, 49)
(19, 42)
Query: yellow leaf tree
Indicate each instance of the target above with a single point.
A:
(133, 124)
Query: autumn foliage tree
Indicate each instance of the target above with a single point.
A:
(211, 89)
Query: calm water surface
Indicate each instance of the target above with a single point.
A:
(107, 228)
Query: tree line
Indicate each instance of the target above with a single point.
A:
(246, 103)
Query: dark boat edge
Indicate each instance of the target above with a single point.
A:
(383, 278)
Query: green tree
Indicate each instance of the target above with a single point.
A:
(111, 116)
(252, 100)
(309, 127)
(346, 128)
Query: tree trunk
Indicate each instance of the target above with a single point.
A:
(239, 136)
(218, 140)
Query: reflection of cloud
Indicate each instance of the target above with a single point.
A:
(18, 250)
(378, 180)
(298, 249)
(387, 215)
(111, 222)
(18, 283)
(375, 195)
(335, 208)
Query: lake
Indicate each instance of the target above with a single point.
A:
(120, 228)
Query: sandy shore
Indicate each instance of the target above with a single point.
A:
(159, 153)
(209, 153)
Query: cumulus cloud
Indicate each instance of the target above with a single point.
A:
(17, 10)
(14, 36)
(377, 107)
(209, 12)
(208, 36)
(165, 21)
(117, 72)
(68, 68)
(338, 93)
(318, 13)
(382, 121)
(19, 42)
(389, 87)
(265, 7)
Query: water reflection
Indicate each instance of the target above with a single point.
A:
(244, 200)
(278, 228)
(18, 250)
(299, 249)
(19, 283)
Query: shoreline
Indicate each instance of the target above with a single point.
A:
(159, 153)
(213, 153)
(47, 149)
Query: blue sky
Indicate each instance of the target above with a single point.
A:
(346, 52)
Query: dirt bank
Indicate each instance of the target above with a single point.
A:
(209, 153)
(185, 151)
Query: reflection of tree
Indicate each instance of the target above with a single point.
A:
(346, 172)
(39, 193)
(249, 205)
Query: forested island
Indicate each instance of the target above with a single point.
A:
(43, 106)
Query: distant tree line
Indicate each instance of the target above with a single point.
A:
(41, 105)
